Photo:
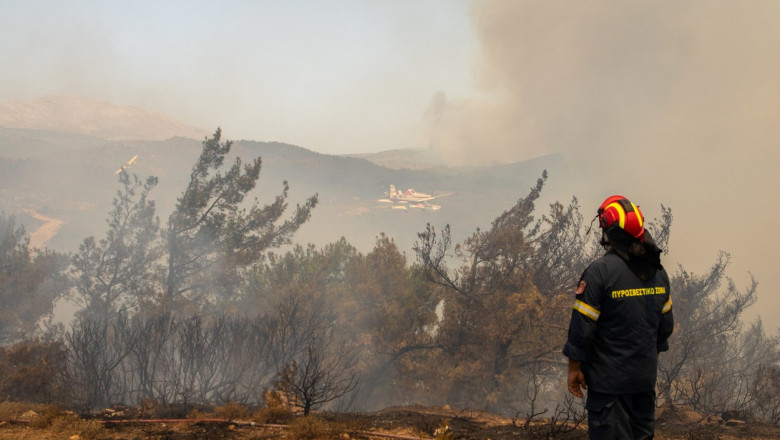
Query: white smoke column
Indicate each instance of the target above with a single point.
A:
(666, 102)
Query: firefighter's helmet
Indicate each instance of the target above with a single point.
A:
(618, 211)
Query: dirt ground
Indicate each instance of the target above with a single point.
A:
(400, 423)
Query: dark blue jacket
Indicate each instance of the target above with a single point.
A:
(619, 325)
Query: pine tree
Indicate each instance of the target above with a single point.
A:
(212, 234)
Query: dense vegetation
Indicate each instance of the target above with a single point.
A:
(209, 309)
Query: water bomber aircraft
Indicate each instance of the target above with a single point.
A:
(403, 200)
(127, 165)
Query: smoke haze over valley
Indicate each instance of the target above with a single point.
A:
(670, 103)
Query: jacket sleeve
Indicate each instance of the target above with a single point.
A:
(665, 330)
(581, 331)
(666, 326)
(584, 316)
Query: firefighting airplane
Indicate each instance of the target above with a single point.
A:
(402, 200)
(127, 165)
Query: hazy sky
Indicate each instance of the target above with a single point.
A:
(674, 102)
(335, 76)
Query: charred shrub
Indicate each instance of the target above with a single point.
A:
(312, 427)
(231, 411)
(32, 372)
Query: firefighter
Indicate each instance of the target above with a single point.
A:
(621, 320)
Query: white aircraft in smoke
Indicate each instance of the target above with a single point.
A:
(402, 200)
(127, 165)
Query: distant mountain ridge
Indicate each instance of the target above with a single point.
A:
(405, 158)
(87, 116)
(67, 173)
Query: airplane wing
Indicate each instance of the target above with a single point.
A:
(438, 197)
(127, 165)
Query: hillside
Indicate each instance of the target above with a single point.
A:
(71, 178)
(85, 116)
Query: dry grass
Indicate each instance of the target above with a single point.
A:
(71, 426)
(275, 415)
(232, 411)
(312, 427)
(50, 418)
(411, 422)
(14, 411)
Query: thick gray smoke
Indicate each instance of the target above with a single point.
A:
(665, 102)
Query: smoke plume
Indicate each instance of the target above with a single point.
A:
(666, 102)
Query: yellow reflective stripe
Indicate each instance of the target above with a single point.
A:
(621, 214)
(667, 306)
(636, 211)
(586, 310)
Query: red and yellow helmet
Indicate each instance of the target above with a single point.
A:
(619, 211)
